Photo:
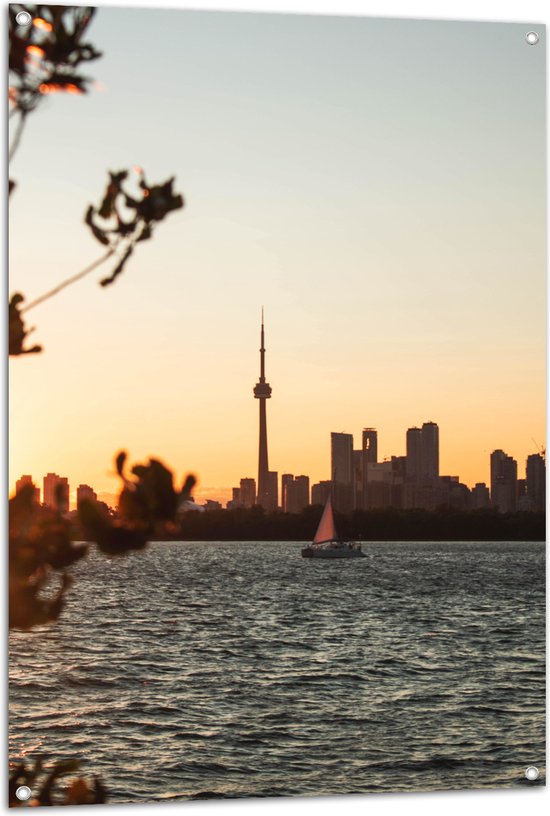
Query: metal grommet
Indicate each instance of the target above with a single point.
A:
(532, 37)
(23, 18)
(532, 773)
(23, 793)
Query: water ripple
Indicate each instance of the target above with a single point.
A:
(224, 670)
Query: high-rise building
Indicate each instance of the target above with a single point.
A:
(504, 474)
(287, 481)
(272, 491)
(536, 480)
(247, 492)
(85, 492)
(430, 452)
(320, 492)
(359, 478)
(27, 480)
(380, 481)
(370, 444)
(342, 471)
(361, 459)
(295, 493)
(448, 491)
(414, 454)
(235, 500)
(301, 486)
(262, 392)
(56, 492)
(481, 499)
(399, 466)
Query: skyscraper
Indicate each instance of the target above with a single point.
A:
(421, 467)
(56, 492)
(86, 493)
(295, 493)
(341, 445)
(320, 492)
(370, 444)
(247, 492)
(361, 460)
(272, 491)
(504, 474)
(414, 454)
(430, 452)
(27, 480)
(262, 392)
(480, 497)
(301, 489)
(287, 481)
(536, 480)
(359, 479)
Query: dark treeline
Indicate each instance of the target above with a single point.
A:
(444, 524)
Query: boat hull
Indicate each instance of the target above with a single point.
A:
(332, 552)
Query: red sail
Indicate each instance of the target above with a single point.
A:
(326, 531)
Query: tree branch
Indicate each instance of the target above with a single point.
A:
(18, 133)
(69, 281)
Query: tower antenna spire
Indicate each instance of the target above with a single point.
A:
(262, 392)
(262, 352)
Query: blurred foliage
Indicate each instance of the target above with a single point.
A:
(113, 229)
(17, 331)
(120, 232)
(148, 507)
(45, 787)
(41, 548)
(45, 56)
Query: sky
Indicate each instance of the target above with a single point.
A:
(377, 185)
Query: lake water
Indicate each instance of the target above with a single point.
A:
(198, 670)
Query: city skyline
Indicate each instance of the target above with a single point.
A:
(294, 488)
(386, 242)
(358, 480)
(421, 462)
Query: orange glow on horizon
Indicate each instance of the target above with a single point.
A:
(401, 256)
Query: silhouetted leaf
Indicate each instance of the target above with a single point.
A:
(62, 49)
(188, 486)
(121, 234)
(119, 462)
(44, 781)
(17, 331)
(146, 233)
(118, 268)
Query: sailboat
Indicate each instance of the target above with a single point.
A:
(326, 543)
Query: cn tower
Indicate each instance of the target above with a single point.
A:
(262, 392)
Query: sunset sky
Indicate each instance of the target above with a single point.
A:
(379, 186)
